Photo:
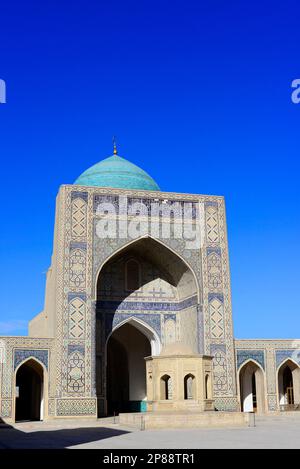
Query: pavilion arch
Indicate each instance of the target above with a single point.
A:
(189, 383)
(251, 379)
(31, 383)
(288, 383)
(166, 387)
(207, 386)
(155, 240)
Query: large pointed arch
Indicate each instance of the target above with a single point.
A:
(167, 289)
(159, 242)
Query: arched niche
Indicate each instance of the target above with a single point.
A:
(30, 391)
(189, 386)
(252, 387)
(166, 389)
(288, 379)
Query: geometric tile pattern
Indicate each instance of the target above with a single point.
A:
(214, 267)
(77, 318)
(219, 372)
(217, 304)
(69, 407)
(76, 372)
(77, 268)
(212, 224)
(216, 311)
(272, 403)
(6, 408)
(79, 213)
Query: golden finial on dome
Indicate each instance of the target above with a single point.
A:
(115, 145)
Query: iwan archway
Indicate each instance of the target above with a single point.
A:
(144, 292)
(252, 387)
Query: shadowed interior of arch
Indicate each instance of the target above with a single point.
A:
(150, 283)
(29, 383)
(126, 373)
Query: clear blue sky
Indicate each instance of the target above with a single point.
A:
(198, 94)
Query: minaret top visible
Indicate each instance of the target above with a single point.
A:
(115, 145)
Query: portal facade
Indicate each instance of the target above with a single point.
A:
(137, 312)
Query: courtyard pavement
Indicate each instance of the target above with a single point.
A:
(280, 431)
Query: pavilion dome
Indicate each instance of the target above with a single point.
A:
(117, 172)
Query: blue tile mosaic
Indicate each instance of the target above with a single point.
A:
(74, 245)
(22, 354)
(282, 355)
(73, 295)
(169, 316)
(216, 250)
(80, 195)
(211, 204)
(112, 320)
(218, 296)
(215, 347)
(145, 305)
(75, 348)
(243, 355)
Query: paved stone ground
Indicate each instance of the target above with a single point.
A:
(280, 431)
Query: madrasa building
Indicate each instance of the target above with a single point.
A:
(137, 315)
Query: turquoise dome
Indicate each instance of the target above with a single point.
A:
(117, 172)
